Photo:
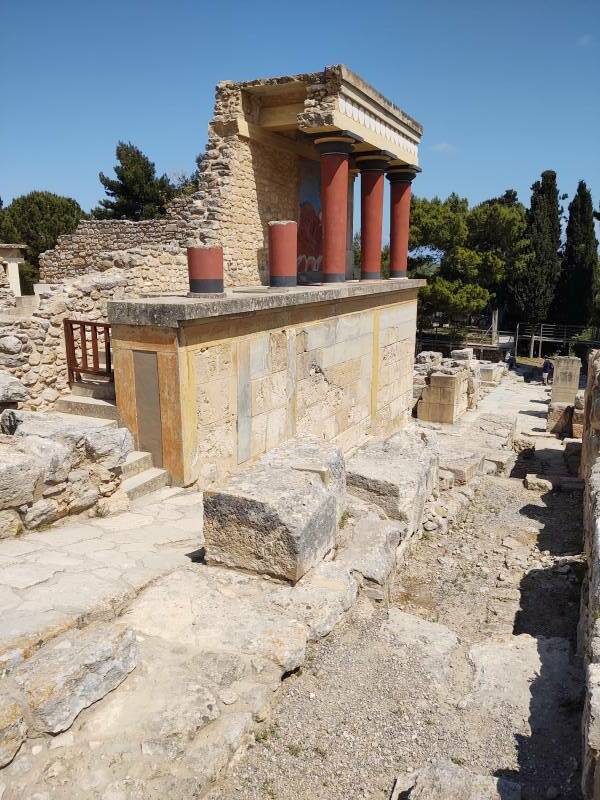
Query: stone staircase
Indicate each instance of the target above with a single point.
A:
(96, 400)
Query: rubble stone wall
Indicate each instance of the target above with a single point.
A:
(589, 626)
(33, 349)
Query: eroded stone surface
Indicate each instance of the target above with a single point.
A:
(446, 781)
(398, 474)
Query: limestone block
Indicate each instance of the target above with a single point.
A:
(370, 552)
(463, 464)
(464, 354)
(74, 671)
(108, 446)
(11, 389)
(398, 474)
(10, 345)
(537, 484)
(50, 426)
(19, 476)
(565, 384)
(443, 779)
(280, 516)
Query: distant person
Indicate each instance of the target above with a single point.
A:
(510, 360)
(546, 370)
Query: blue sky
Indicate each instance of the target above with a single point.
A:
(504, 89)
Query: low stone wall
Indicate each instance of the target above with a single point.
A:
(51, 467)
(589, 626)
(226, 389)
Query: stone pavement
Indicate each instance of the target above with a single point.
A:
(74, 573)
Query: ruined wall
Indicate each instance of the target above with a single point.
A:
(589, 626)
(33, 349)
(243, 184)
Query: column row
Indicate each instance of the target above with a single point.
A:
(335, 154)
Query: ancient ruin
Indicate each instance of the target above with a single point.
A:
(252, 544)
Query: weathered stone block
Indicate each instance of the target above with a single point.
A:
(464, 354)
(13, 728)
(280, 516)
(398, 474)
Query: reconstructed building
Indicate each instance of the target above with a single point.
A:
(207, 384)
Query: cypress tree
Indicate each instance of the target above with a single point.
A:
(579, 276)
(538, 269)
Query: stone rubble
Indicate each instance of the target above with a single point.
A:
(53, 465)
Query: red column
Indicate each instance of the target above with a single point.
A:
(335, 153)
(283, 253)
(372, 168)
(205, 269)
(400, 179)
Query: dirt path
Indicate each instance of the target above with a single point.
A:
(473, 661)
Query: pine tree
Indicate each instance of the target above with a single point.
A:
(538, 268)
(137, 193)
(579, 277)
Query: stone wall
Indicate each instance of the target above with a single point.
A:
(589, 626)
(238, 386)
(254, 392)
(33, 349)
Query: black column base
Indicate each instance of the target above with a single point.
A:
(370, 276)
(334, 277)
(206, 285)
(283, 280)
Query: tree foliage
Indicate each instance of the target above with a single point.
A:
(137, 192)
(537, 268)
(37, 219)
(454, 300)
(578, 285)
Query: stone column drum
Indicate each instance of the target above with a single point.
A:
(205, 269)
(400, 179)
(372, 168)
(335, 153)
(283, 253)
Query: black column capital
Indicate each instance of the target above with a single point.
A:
(402, 174)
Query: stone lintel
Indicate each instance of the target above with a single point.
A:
(171, 311)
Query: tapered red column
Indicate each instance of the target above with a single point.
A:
(372, 168)
(400, 179)
(335, 153)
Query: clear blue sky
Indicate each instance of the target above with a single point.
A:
(504, 89)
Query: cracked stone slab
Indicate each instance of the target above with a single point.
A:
(73, 672)
(280, 516)
(433, 643)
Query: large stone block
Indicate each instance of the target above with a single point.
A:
(398, 474)
(280, 516)
(560, 419)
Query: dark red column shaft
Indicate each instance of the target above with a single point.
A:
(400, 192)
(205, 269)
(334, 214)
(400, 179)
(371, 207)
(283, 253)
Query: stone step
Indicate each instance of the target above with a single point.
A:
(136, 462)
(101, 390)
(87, 407)
(145, 482)
(94, 422)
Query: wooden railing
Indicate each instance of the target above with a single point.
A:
(88, 349)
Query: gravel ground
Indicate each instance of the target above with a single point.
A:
(372, 702)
